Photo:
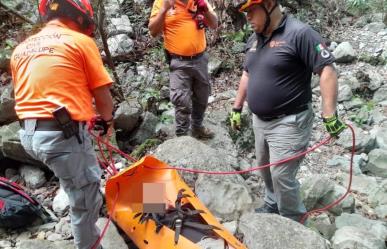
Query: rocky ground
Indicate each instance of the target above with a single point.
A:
(143, 124)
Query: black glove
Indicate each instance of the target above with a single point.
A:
(101, 125)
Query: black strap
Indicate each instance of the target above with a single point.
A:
(200, 226)
(178, 225)
(268, 18)
(186, 57)
(176, 218)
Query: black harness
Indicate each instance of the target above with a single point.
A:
(183, 219)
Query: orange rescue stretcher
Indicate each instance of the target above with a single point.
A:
(123, 197)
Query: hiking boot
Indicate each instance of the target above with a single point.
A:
(202, 133)
(267, 209)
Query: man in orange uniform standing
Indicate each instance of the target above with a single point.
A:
(182, 24)
(57, 73)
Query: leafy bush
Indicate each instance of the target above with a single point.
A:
(361, 7)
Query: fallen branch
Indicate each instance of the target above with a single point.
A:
(117, 91)
(15, 13)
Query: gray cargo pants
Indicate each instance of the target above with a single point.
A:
(78, 171)
(189, 91)
(276, 140)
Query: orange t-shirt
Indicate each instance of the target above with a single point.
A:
(181, 36)
(57, 67)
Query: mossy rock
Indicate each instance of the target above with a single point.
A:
(143, 148)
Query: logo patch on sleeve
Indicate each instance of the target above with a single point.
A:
(320, 48)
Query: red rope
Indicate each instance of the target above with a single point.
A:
(334, 203)
(323, 142)
(96, 244)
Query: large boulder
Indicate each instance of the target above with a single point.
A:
(319, 191)
(377, 228)
(356, 237)
(11, 147)
(7, 105)
(188, 152)
(378, 195)
(120, 45)
(127, 116)
(146, 130)
(112, 238)
(272, 231)
(377, 165)
(362, 184)
(344, 53)
(227, 197)
(32, 176)
(364, 142)
(45, 244)
(314, 188)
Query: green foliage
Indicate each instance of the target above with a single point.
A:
(241, 35)
(142, 149)
(166, 119)
(244, 138)
(156, 54)
(370, 105)
(363, 114)
(149, 97)
(358, 3)
(10, 44)
(361, 7)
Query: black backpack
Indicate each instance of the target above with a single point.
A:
(17, 208)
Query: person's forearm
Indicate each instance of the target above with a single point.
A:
(328, 88)
(211, 19)
(242, 90)
(156, 23)
(103, 102)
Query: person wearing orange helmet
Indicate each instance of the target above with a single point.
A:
(182, 24)
(60, 83)
(281, 57)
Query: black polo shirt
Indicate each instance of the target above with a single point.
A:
(280, 67)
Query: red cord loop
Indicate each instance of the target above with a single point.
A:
(111, 169)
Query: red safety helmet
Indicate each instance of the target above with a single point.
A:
(72, 9)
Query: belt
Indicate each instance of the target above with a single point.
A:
(185, 57)
(46, 125)
(296, 110)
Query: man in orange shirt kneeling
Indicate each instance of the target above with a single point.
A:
(182, 24)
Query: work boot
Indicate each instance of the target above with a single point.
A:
(267, 209)
(202, 133)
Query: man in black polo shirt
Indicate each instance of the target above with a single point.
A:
(280, 58)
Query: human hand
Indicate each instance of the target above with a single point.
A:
(235, 118)
(168, 4)
(201, 6)
(333, 125)
(105, 127)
